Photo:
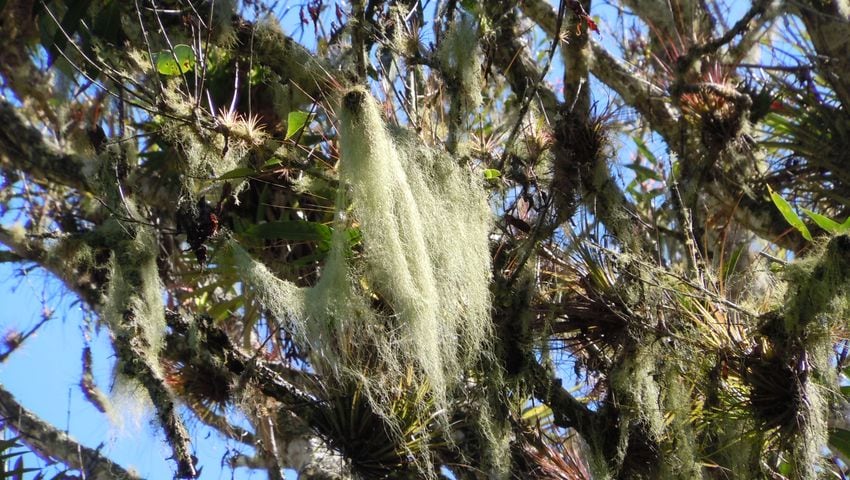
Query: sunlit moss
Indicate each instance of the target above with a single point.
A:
(134, 296)
(459, 57)
(425, 224)
(682, 459)
(819, 300)
(637, 395)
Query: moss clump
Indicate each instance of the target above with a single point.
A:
(636, 395)
(418, 299)
(425, 227)
(460, 60)
(134, 306)
(819, 300)
(681, 460)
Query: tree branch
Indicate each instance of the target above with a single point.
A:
(568, 412)
(684, 62)
(51, 443)
(649, 100)
(36, 252)
(23, 147)
(212, 347)
(512, 58)
(829, 28)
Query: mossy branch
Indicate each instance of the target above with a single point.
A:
(819, 301)
(685, 62)
(133, 355)
(23, 146)
(512, 57)
(638, 92)
(568, 411)
(32, 250)
(577, 56)
(209, 345)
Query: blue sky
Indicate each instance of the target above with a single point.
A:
(44, 374)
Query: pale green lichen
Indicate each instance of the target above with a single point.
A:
(459, 61)
(637, 394)
(425, 224)
(682, 460)
(134, 303)
(496, 435)
(819, 300)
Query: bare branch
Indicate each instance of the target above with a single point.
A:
(650, 101)
(51, 443)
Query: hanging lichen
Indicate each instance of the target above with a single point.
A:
(418, 296)
(819, 300)
(134, 298)
(460, 65)
(637, 396)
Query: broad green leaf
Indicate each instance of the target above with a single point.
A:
(272, 162)
(823, 222)
(537, 412)
(839, 440)
(294, 230)
(354, 236)
(643, 173)
(790, 215)
(240, 172)
(644, 150)
(181, 61)
(492, 174)
(844, 227)
(295, 121)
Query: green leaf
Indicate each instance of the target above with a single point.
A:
(240, 172)
(643, 173)
(354, 236)
(790, 215)
(537, 412)
(839, 440)
(729, 265)
(492, 174)
(294, 230)
(844, 227)
(272, 162)
(181, 61)
(295, 121)
(823, 222)
(644, 150)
